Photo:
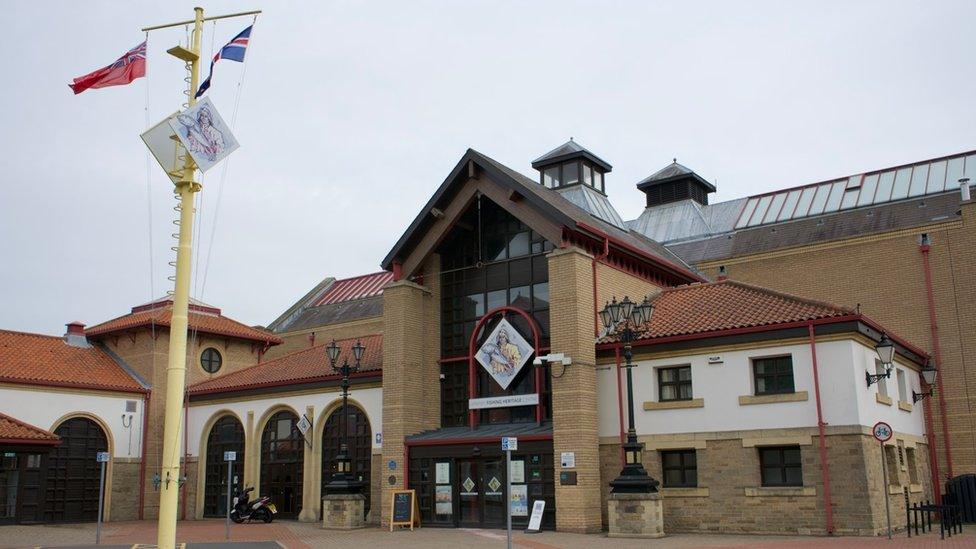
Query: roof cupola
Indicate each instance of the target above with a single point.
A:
(572, 164)
(673, 183)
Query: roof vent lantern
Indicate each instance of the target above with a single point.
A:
(675, 182)
(572, 164)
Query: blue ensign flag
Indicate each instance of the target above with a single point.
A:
(234, 50)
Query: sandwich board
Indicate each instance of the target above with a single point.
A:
(404, 510)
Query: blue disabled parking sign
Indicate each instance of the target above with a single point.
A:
(509, 444)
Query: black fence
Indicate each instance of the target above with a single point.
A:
(920, 518)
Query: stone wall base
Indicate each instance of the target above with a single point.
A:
(636, 515)
(343, 511)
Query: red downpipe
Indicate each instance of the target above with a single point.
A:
(142, 462)
(937, 354)
(620, 407)
(824, 472)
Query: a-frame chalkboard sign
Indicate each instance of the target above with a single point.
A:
(404, 509)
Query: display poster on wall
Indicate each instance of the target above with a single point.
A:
(518, 471)
(442, 500)
(443, 473)
(520, 500)
(567, 460)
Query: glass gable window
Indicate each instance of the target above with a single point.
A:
(571, 173)
(509, 268)
(550, 177)
(773, 375)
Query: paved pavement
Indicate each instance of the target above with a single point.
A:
(209, 534)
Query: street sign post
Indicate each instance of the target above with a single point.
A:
(230, 458)
(508, 445)
(102, 459)
(882, 433)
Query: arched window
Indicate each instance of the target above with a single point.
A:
(360, 437)
(73, 473)
(282, 457)
(226, 435)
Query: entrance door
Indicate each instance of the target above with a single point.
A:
(226, 435)
(469, 492)
(282, 457)
(9, 487)
(481, 487)
(73, 473)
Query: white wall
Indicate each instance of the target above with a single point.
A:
(43, 407)
(844, 395)
(370, 400)
(871, 411)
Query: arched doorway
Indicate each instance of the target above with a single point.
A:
(226, 435)
(360, 446)
(71, 493)
(282, 457)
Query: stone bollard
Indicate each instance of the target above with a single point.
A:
(343, 511)
(636, 515)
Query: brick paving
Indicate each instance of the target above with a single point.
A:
(297, 535)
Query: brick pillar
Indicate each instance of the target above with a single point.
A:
(411, 372)
(574, 395)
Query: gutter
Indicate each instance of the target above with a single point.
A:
(824, 471)
(681, 271)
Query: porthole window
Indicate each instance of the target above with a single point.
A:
(211, 360)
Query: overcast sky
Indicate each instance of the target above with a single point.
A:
(351, 114)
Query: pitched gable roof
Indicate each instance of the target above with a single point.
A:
(306, 366)
(14, 431)
(726, 305)
(36, 359)
(202, 318)
(551, 204)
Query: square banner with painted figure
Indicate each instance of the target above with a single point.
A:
(204, 134)
(504, 353)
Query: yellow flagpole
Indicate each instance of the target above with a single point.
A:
(176, 366)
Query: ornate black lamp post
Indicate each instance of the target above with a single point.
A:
(633, 478)
(886, 353)
(343, 481)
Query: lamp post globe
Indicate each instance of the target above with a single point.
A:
(631, 318)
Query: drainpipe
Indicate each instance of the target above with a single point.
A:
(142, 462)
(936, 350)
(824, 472)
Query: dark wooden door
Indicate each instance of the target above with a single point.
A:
(73, 473)
(227, 435)
(360, 437)
(282, 458)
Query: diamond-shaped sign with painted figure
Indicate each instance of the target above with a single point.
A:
(468, 484)
(204, 134)
(494, 484)
(504, 353)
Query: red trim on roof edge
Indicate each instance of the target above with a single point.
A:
(94, 386)
(286, 383)
(642, 254)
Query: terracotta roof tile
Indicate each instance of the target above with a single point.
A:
(12, 430)
(303, 366)
(726, 305)
(206, 322)
(48, 360)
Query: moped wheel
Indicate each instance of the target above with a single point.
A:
(263, 515)
(236, 517)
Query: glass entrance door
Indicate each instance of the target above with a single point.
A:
(494, 498)
(469, 492)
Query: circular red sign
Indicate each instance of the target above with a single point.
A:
(882, 431)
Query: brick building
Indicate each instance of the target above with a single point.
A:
(750, 390)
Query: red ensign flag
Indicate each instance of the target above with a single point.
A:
(127, 68)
